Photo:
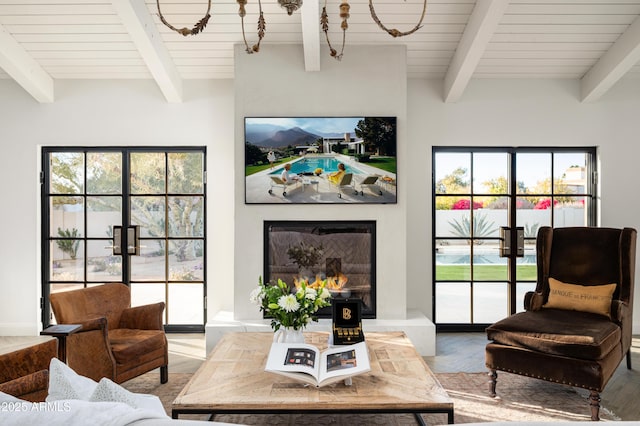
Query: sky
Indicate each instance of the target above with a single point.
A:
(531, 167)
(312, 124)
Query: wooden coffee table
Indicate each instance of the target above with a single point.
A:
(233, 381)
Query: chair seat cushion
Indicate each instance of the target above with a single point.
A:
(128, 344)
(573, 334)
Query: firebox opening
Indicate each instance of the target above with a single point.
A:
(341, 252)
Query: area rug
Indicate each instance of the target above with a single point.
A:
(519, 399)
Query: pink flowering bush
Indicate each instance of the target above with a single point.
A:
(464, 204)
(545, 204)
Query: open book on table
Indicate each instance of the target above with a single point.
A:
(306, 363)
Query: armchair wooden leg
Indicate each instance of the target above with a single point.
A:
(629, 359)
(594, 402)
(164, 374)
(493, 379)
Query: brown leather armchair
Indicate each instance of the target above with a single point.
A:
(116, 341)
(572, 347)
(24, 366)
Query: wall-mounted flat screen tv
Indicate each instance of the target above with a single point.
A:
(302, 160)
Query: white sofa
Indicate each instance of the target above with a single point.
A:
(77, 400)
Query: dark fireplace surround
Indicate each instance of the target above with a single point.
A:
(345, 251)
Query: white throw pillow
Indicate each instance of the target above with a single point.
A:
(5, 397)
(107, 390)
(64, 383)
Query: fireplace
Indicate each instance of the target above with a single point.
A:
(341, 252)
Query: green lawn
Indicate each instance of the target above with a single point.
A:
(249, 170)
(483, 272)
(384, 163)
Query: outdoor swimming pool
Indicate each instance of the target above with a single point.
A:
(308, 165)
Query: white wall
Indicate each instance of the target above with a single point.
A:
(96, 114)
(524, 113)
(367, 81)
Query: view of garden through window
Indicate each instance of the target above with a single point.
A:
(161, 192)
(474, 197)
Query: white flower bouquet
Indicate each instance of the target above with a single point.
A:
(291, 307)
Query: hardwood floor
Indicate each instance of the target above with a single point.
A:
(455, 352)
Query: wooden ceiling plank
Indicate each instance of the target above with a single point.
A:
(20, 66)
(620, 58)
(137, 20)
(482, 24)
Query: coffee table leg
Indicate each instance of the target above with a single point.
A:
(421, 421)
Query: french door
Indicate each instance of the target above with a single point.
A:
(488, 204)
(130, 215)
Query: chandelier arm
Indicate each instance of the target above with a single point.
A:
(197, 28)
(262, 26)
(394, 32)
(324, 22)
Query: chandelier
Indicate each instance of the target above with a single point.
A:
(291, 6)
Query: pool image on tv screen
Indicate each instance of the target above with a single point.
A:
(320, 160)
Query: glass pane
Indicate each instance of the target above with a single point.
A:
(453, 303)
(186, 260)
(521, 289)
(102, 214)
(445, 215)
(453, 260)
(455, 221)
(490, 171)
(102, 265)
(150, 265)
(66, 216)
(487, 221)
(533, 173)
(104, 173)
(487, 263)
(570, 173)
(148, 212)
(186, 173)
(490, 302)
(531, 217)
(67, 173)
(526, 268)
(67, 262)
(570, 211)
(186, 216)
(452, 173)
(185, 304)
(147, 173)
(146, 293)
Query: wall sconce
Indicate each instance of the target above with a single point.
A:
(505, 241)
(133, 240)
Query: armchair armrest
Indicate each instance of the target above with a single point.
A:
(533, 301)
(89, 350)
(619, 311)
(31, 388)
(146, 317)
(99, 323)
